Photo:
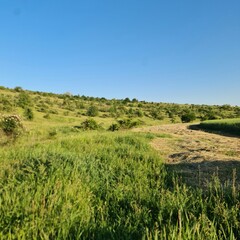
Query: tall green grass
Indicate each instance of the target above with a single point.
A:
(106, 186)
(231, 126)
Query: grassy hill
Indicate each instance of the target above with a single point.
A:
(61, 181)
(51, 109)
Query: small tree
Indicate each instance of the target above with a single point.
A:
(18, 89)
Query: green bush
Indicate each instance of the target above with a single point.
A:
(128, 123)
(157, 114)
(92, 111)
(24, 100)
(28, 114)
(52, 133)
(12, 125)
(188, 117)
(90, 124)
(5, 103)
(47, 116)
(114, 127)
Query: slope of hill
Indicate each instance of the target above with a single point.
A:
(59, 181)
(65, 109)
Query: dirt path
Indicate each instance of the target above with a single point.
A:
(197, 155)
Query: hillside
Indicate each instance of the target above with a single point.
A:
(51, 109)
(60, 180)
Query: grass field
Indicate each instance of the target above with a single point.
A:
(231, 126)
(61, 182)
(101, 185)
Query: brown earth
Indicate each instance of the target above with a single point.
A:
(197, 155)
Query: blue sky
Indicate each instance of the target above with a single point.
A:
(156, 50)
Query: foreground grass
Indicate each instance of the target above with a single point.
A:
(231, 126)
(106, 186)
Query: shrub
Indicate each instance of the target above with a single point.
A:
(12, 125)
(188, 117)
(47, 116)
(114, 127)
(52, 133)
(28, 114)
(92, 111)
(128, 123)
(156, 114)
(6, 104)
(24, 100)
(139, 113)
(89, 124)
(126, 100)
(18, 89)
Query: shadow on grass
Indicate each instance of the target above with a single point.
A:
(199, 127)
(199, 174)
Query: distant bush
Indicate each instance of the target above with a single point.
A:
(28, 114)
(92, 111)
(126, 100)
(52, 133)
(24, 100)
(114, 127)
(128, 123)
(47, 116)
(139, 113)
(12, 126)
(6, 104)
(3, 88)
(66, 113)
(18, 89)
(53, 111)
(156, 114)
(89, 124)
(188, 117)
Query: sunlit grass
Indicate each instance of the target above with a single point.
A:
(99, 185)
(226, 126)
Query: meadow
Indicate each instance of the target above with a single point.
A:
(59, 180)
(98, 185)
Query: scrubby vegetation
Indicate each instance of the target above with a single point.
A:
(46, 106)
(231, 126)
(61, 180)
(11, 126)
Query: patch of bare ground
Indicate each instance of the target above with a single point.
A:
(197, 156)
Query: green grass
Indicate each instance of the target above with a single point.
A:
(59, 182)
(99, 185)
(231, 126)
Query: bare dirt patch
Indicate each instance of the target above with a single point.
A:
(198, 155)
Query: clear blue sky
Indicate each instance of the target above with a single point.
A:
(182, 51)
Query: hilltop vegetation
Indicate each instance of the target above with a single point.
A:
(62, 108)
